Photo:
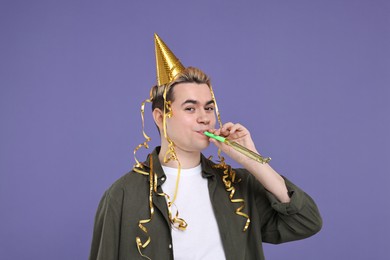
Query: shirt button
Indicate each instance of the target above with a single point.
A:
(170, 246)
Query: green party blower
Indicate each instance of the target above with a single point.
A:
(236, 146)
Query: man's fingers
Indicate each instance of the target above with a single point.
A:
(236, 127)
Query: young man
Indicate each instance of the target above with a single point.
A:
(180, 205)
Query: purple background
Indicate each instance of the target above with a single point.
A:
(310, 79)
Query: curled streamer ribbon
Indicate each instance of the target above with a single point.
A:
(229, 176)
(142, 222)
(176, 222)
(138, 167)
(147, 138)
(170, 155)
(167, 112)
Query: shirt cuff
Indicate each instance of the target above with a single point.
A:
(296, 204)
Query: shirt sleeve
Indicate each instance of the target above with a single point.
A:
(283, 222)
(106, 232)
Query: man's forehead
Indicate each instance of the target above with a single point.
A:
(192, 91)
(190, 85)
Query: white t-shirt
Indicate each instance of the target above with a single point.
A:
(201, 239)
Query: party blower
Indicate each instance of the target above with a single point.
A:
(236, 146)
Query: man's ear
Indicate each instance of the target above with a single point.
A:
(158, 116)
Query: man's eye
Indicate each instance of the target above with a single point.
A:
(209, 108)
(189, 109)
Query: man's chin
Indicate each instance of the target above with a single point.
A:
(202, 147)
(197, 148)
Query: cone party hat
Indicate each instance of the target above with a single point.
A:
(168, 66)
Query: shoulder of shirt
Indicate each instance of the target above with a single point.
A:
(131, 181)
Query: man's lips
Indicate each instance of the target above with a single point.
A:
(202, 132)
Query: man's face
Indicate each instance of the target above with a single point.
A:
(192, 114)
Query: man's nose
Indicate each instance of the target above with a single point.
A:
(203, 118)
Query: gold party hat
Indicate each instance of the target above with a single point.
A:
(168, 66)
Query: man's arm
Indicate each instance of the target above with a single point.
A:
(283, 222)
(286, 212)
(264, 173)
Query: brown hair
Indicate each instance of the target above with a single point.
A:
(189, 75)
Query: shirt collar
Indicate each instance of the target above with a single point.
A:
(207, 166)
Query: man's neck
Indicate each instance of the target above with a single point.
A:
(187, 159)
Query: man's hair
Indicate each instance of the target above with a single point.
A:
(188, 75)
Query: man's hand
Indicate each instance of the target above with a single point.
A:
(264, 173)
(236, 133)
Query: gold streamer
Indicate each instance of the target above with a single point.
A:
(147, 138)
(170, 155)
(167, 112)
(145, 221)
(176, 222)
(228, 179)
(229, 175)
(216, 106)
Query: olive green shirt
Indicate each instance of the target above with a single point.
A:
(126, 202)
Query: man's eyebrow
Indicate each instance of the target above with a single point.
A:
(195, 102)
